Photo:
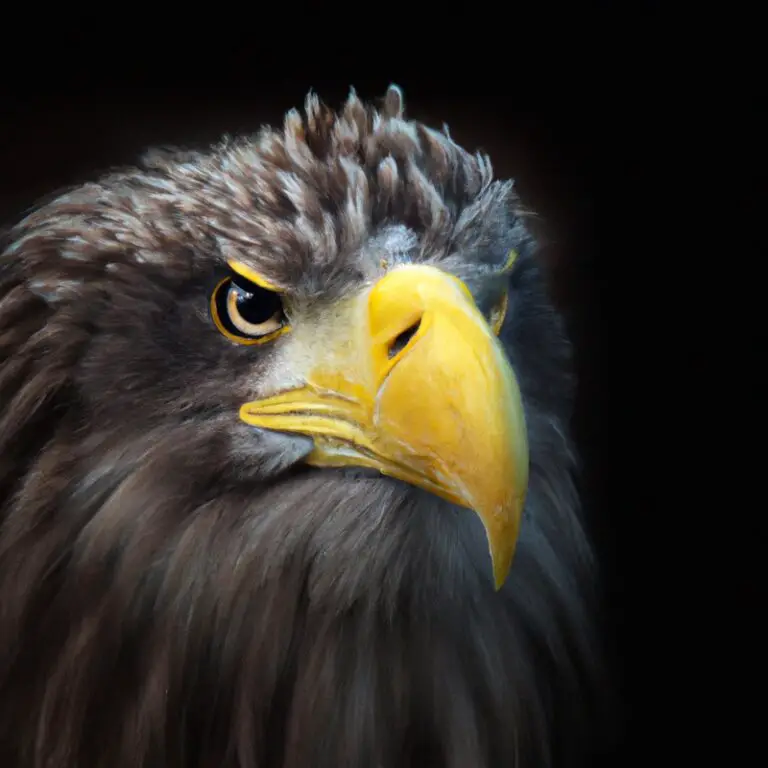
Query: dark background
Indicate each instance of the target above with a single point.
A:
(586, 130)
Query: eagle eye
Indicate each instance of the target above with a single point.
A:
(247, 313)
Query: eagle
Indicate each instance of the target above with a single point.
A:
(286, 477)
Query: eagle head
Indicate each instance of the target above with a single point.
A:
(284, 469)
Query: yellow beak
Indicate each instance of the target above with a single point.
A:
(409, 379)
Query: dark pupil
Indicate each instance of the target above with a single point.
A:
(256, 305)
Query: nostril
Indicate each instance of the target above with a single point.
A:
(402, 339)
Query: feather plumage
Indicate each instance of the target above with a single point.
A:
(175, 588)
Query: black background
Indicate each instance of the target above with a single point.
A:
(585, 122)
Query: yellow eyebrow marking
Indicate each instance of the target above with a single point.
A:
(511, 259)
(498, 315)
(501, 312)
(252, 276)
